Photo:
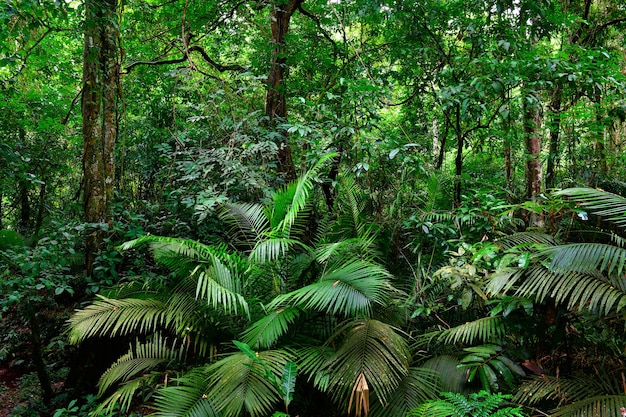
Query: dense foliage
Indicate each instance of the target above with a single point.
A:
(303, 208)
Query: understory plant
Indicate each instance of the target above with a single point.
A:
(217, 336)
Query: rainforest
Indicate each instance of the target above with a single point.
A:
(305, 208)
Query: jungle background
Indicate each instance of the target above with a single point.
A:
(306, 208)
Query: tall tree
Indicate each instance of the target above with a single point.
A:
(99, 110)
(275, 98)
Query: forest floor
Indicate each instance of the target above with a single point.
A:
(9, 389)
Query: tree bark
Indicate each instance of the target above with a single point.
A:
(99, 105)
(555, 130)
(458, 161)
(275, 97)
(532, 129)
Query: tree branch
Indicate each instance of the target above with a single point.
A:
(601, 27)
(195, 48)
(321, 29)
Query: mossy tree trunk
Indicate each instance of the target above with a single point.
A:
(99, 110)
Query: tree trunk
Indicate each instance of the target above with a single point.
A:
(532, 129)
(37, 353)
(100, 86)
(24, 221)
(275, 97)
(458, 161)
(555, 130)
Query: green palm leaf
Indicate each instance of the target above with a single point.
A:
(249, 219)
(417, 387)
(187, 398)
(537, 389)
(239, 383)
(588, 258)
(313, 360)
(351, 289)
(217, 286)
(370, 348)
(139, 359)
(265, 332)
(527, 240)
(274, 248)
(289, 203)
(611, 207)
(109, 317)
(574, 289)
(122, 398)
(604, 405)
(484, 330)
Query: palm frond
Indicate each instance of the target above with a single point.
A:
(603, 405)
(274, 248)
(417, 387)
(109, 317)
(141, 358)
(484, 329)
(289, 203)
(187, 398)
(363, 247)
(123, 396)
(527, 240)
(237, 383)
(248, 218)
(370, 348)
(218, 287)
(451, 377)
(609, 206)
(537, 389)
(351, 289)
(265, 332)
(313, 360)
(587, 258)
(574, 289)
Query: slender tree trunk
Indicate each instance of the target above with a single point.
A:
(275, 97)
(555, 130)
(100, 86)
(601, 141)
(442, 146)
(37, 353)
(24, 221)
(458, 161)
(532, 129)
(41, 207)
